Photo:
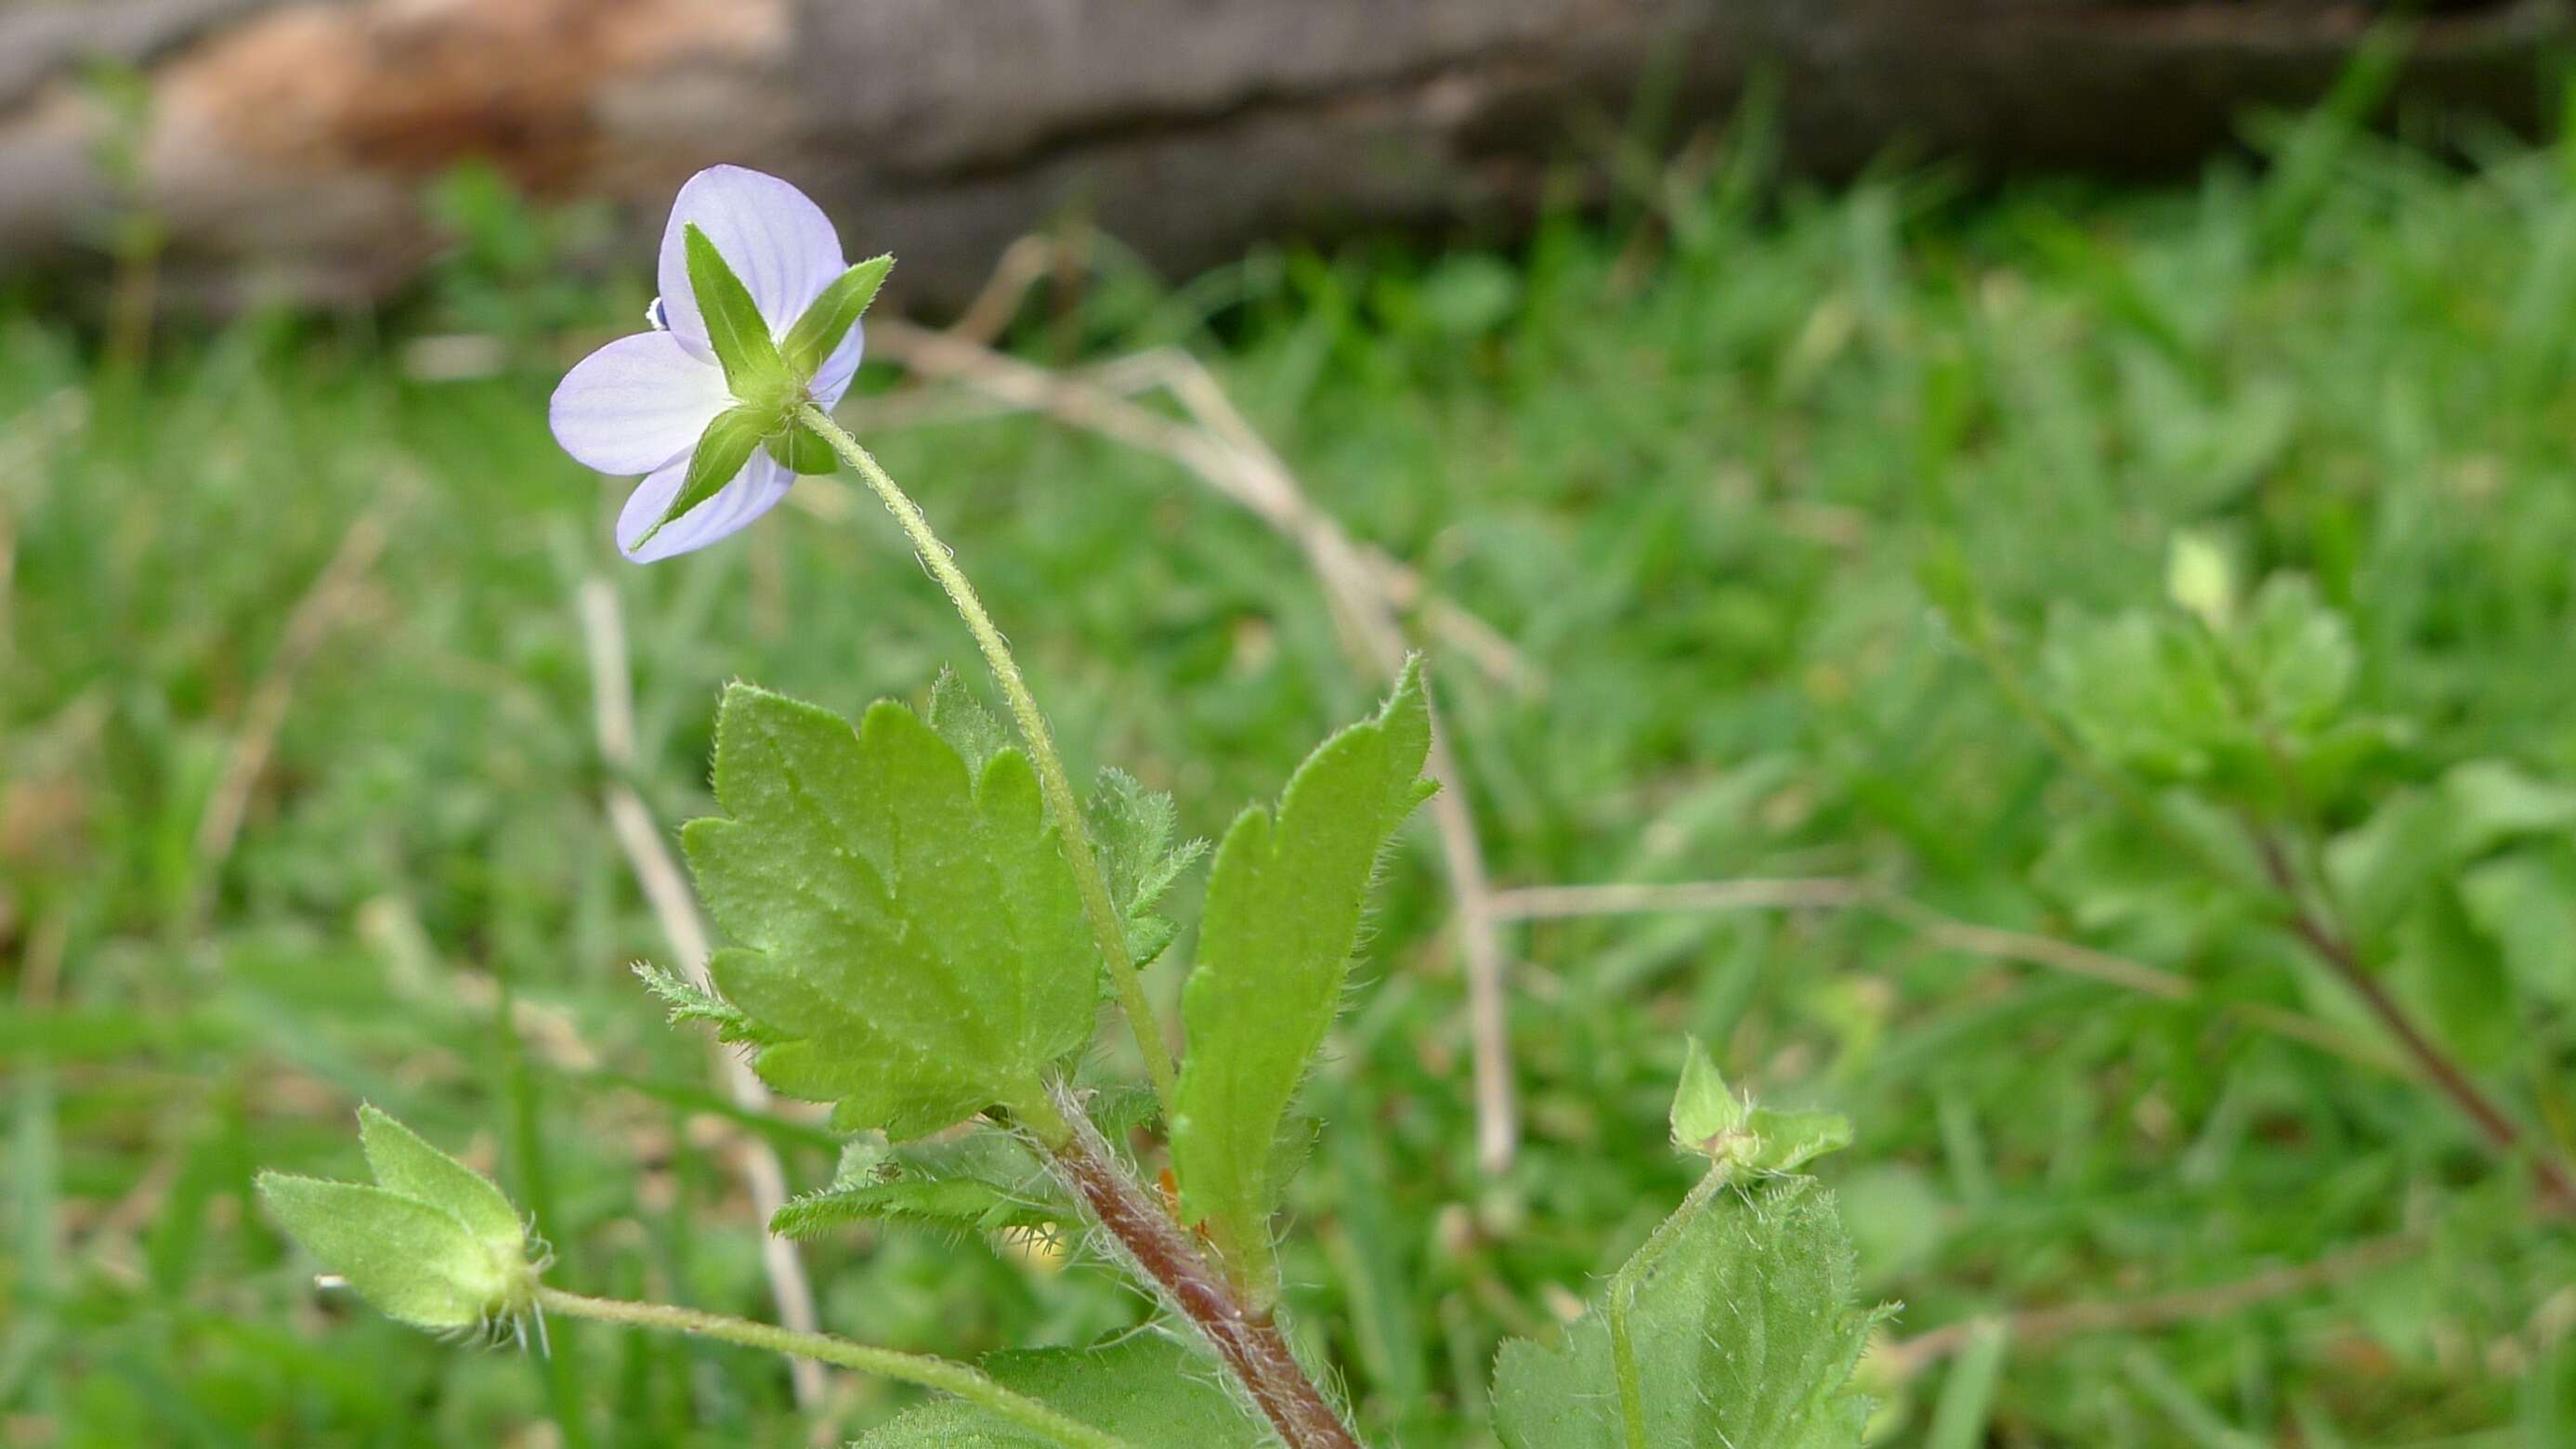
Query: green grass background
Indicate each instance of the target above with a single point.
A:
(1688, 456)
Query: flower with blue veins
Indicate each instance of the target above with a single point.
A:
(758, 317)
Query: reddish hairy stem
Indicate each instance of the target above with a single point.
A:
(1249, 1342)
(2557, 1186)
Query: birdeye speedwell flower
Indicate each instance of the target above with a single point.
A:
(759, 315)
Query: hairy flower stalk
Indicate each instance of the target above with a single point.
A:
(911, 1368)
(1097, 906)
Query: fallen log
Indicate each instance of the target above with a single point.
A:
(282, 145)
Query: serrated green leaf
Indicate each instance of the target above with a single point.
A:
(800, 449)
(817, 334)
(1282, 918)
(1132, 827)
(961, 719)
(982, 1182)
(1743, 1330)
(407, 1166)
(1153, 1391)
(916, 946)
(722, 449)
(417, 1264)
(754, 371)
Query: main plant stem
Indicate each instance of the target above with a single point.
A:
(1623, 1289)
(1106, 928)
(1248, 1340)
(910, 1368)
(2324, 937)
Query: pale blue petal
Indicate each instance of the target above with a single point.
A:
(833, 378)
(772, 235)
(636, 404)
(754, 491)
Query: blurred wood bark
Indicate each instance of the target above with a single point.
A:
(284, 143)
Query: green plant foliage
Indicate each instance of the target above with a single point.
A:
(1744, 1335)
(984, 1181)
(690, 1002)
(1133, 827)
(916, 947)
(2233, 703)
(1153, 1390)
(433, 1243)
(1282, 918)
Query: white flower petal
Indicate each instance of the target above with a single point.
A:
(637, 403)
(772, 235)
(833, 378)
(754, 491)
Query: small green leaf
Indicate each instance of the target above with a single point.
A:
(917, 946)
(1743, 1331)
(754, 371)
(983, 1182)
(817, 334)
(2526, 903)
(416, 1263)
(722, 449)
(1711, 1120)
(961, 719)
(689, 1002)
(1282, 918)
(2493, 801)
(1150, 1390)
(800, 449)
(1133, 828)
(406, 1165)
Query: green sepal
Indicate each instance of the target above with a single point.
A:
(417, 1264)
(722, 449)
(754, 371)
(1283, 912)
(801, 450)
(406, 1165)
(431, 1243)
(818, 333)
(1708, 1118)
